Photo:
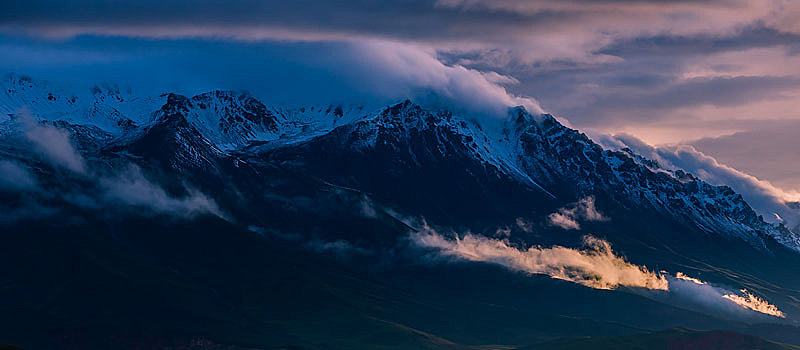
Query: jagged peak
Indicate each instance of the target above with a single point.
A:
(237, 105)
(219, 96)
(405, 107)
(522, 121)
(175, 106)
(521, 117)
(229, 119)
(238, 101)
(228, 96)
(175, 99)
(23, 82)
(409, 114)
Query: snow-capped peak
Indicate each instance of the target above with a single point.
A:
(106, 106)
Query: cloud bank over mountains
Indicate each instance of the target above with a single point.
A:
(647, 65)
(572, 29)
(665, 72)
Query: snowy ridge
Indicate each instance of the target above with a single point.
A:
(227, 119)
(395, 125)
(549, 150)
(108, 107)
(538, 147)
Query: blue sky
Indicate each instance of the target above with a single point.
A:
(723, 76)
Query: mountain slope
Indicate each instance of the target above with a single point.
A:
(403, 144)
(419, 158)
(567, 158)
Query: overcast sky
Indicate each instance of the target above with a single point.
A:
(723, 76)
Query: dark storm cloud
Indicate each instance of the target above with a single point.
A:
(748, 37)
(688, 86)
(666, 71)
(519, 26)
(767, 149)
(718, 91)
(258, 19)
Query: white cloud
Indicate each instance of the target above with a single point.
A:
(399, 70)
(564, 221)
(130, 187)
(53, 144)
(752, 302)
(682, 276)
(716, 300)
(597, 266)
(594, 266)
(15, 177)
(584, 209)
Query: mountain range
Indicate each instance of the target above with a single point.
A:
(218, 221)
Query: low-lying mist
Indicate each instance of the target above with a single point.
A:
(81, 183)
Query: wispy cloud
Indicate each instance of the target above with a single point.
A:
(563, 220)
(682, 276)
(342, 249)
(594, 266)
(131, 187)
(15, 176)
(52, 143)
(398, 70)
(718, 300)
(584, 209)
(125, 186)
(752, 302)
